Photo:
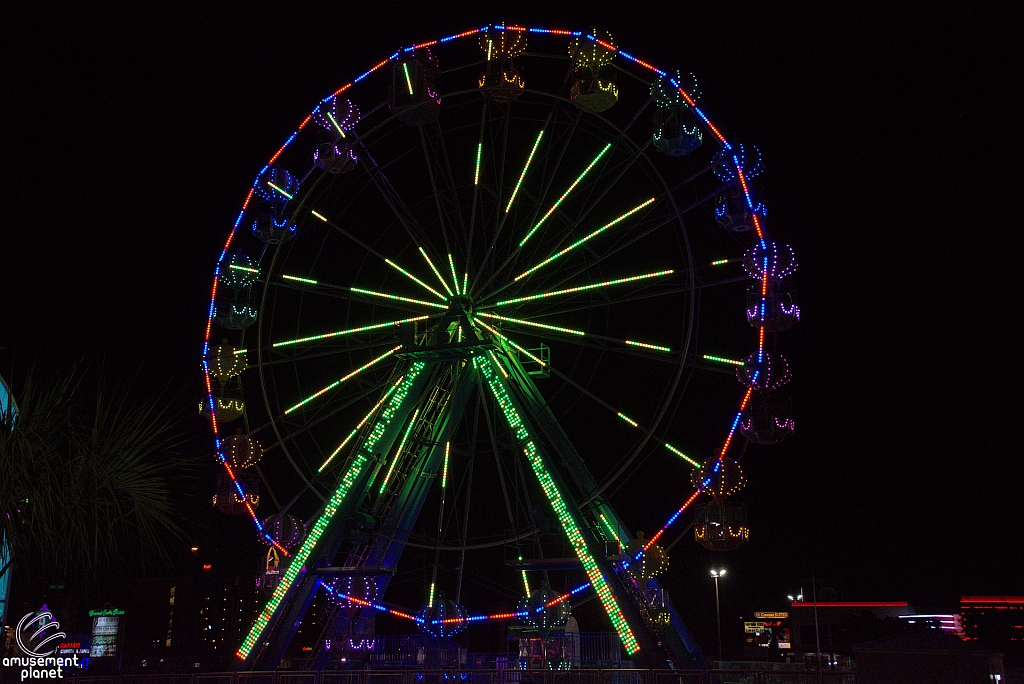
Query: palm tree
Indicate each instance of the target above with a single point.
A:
(90, 482)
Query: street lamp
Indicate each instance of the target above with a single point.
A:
(718, 611)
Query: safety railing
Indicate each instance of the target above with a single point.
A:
(456, 676)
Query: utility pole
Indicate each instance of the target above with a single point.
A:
(817, 633)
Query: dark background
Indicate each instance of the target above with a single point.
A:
(131, 136)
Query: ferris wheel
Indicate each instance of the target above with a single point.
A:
(458, 312)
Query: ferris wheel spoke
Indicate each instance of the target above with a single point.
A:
(355, 293)
(443, 217)
(349, 331)
(635, 348)
(323, 353)
(391, 197)
(629, 237)
(476, 189)
(625, 280)
(617, 173)
(651, 291)
(625, 418)
(563, 148)
(585, 239)
(340, 381)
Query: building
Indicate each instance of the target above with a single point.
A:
(926, 656)
(838, 621)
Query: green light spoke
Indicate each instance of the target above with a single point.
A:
(416, 280)
(544, 326)
(300, 557)
(436, 272)
(335, 124)
(280, 190)
(398, 452)
(359, 426)
(629, 420)
(318, 215)
(247, 269)
(582, 240)
(679, 453)
(720, 262)
(455, 277)
(576, 333)
(408, 81)
(583, 288)
(645, 345)
(350, 331)
(476, 175)
(719, 359)
(570, 526)
(565, 194)
(526, 167)
(338, 382)
(396, 298)
(308, 281)
(520, 348)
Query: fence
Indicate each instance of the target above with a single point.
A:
(456, 676)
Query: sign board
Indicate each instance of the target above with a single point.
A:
(753, 627)
(771, 616)
(105, 626)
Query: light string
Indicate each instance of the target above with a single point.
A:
(211, 399)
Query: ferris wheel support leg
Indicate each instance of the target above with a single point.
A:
(387, 548)
(279, 620)
(640, 644)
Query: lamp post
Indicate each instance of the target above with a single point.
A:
(718, 611)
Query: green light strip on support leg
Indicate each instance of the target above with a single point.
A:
(350, 331)
(581, 241)
(413, 278)
(523, 174)
(398, 453)
(337, 382)
(317, 530)
(359, 426)
(569, 524)
(565, 194)
(436, 272)
(582, 288)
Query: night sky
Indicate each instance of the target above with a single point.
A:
(130, 140)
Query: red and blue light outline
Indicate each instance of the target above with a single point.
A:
(757, 212)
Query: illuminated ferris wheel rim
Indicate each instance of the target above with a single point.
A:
(395, 57)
